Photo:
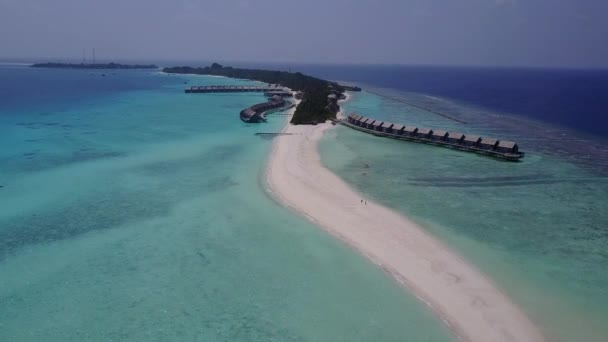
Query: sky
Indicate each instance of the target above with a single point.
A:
(536, 33)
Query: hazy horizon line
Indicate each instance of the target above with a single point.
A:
(244, 63)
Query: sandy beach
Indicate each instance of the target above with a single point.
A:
(472, 306)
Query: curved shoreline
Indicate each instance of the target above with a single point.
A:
(472, 306)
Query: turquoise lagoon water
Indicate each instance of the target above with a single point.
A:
(132, 211)
(539, 227)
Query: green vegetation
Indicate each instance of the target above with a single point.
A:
(311, 110)
(93, 66)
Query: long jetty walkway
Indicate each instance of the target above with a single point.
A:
(502, 149)
(256, 113)
(237, 89)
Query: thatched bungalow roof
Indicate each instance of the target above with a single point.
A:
(489, 142)
(249, 112)
(397, 127)
(472, 138)
(454, 135)
(410, 129)
(424, 131)
(439, 133)
(507, 144)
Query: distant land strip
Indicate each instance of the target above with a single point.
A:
(93, 66)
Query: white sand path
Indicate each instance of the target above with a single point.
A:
(471, 305)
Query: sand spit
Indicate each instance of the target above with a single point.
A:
(471, 305)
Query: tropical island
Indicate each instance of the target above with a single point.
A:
(316, 106)
(93, 66)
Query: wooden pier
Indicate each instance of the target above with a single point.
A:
(236, 89)
(256, 113)
(492, 147)
(275, 134)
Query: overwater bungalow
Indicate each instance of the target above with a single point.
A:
(386, 127)
(505, 150)
(278, 92)
(410, 131)
(488, 144)
(471, 140)
(357, 121)
(439, 135)
(256, 113)
(398, 129)
(507, 147)
(455, 138)
(424, 133)
(237, 88)
(376, 126)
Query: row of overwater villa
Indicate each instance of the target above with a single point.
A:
(236, 89)
(256, 113)
(465, 142)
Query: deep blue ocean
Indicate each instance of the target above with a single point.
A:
(577, 99)
(25, 88)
